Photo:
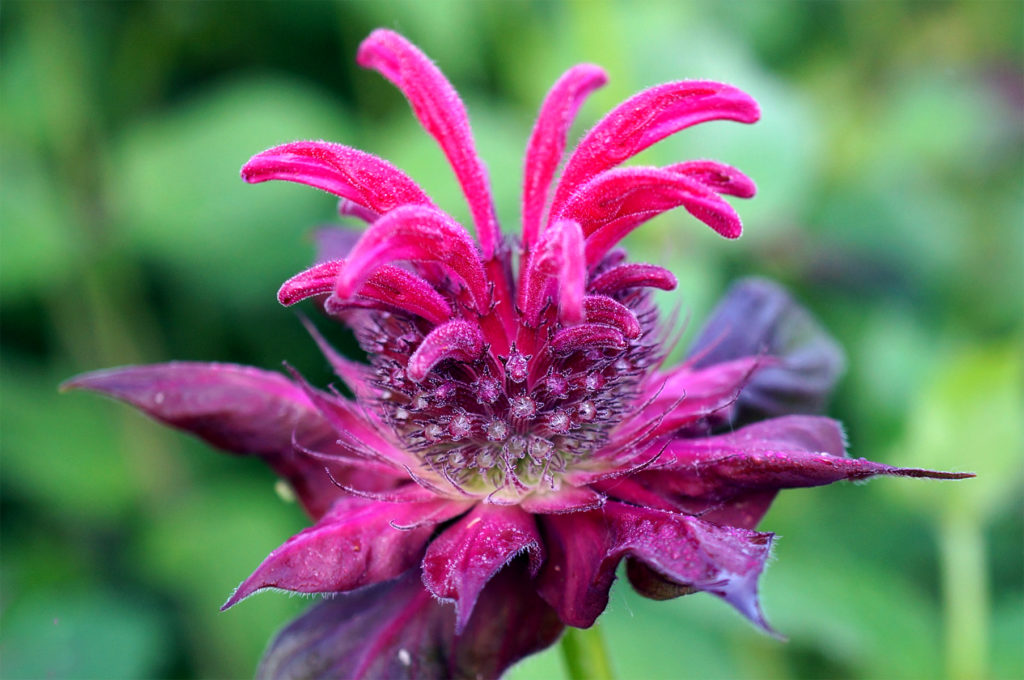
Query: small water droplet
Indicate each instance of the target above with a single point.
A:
(559, 421)
(487, 390)
(460, 426)
(433, 432)
(517, 367)
(557, 385)
(523, 407)
(497, 430)
(586, 411)
(594, 381)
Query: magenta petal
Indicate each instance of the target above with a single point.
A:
(460, 562)
(354, 544)
(442, 114)
(632, 276)
(585, 548)
(397, 630)
(722, 178)
(645, 119)
(236, 408)
(556, 266)
(603, 309)
(421, 235)
(759, 317)
(587, 336)
(360, 177)
(547, 141)
(617, 201)
(458, 339)
(568, 499)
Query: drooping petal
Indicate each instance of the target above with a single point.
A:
(442, 114)
(722, 178)
(457, 339)
(421, 235)
(585, 548)
(605, 310)
(759, 317)
(633, 275)
(556, 268)
(460, 562)
(238, 409)
(397, 630)
(645, 119)
(547, 141)
(357, 176)
(354, 544)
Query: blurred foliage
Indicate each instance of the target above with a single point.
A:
(890, 166)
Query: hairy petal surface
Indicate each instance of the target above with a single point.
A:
(397, 630)
(458, 339)
(460, 562)
(759, 317)
(585, 548)
(357, 176)
(555, 269)
(647, 118)
(722, 178)
(547, 141)
(442, 114)
(635, 275)
(421, 235)
(355, 544)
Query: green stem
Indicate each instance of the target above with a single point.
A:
(585, 655)
(965, 596)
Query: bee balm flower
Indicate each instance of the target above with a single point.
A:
(515, 435)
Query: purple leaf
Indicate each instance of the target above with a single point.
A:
(397, 630)
(758, 317)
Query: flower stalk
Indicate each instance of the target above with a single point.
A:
(585, 654)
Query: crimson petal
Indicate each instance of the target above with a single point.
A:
(547, 141)
(557, 263)
(645, 119)
(633, 275)
(457, 339)
(355, 175)
(460, 562)
(442, 114)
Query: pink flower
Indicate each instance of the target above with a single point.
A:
(515, 435)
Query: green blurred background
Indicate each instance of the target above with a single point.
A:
(889, 161)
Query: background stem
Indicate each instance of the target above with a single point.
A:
(585, 655)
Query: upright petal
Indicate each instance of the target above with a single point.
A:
(460, 562)
(362, 178)
(555, 269)
(421, 235)
(442, 114)
(645, 119)
(759, 317)
(355, 544)
(547, 141)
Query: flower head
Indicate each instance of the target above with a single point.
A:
(515, 435)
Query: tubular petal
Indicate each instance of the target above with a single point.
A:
(547, 141)
(722, 178)
(457, 339)
(362, 178)
(605, 310)
(634, 275)
(353, 545)
(587, 336)
(556, 263)
(617, 201)
(568, 499)
(442, 114)
(421, 235)
(460, 562)
(645, 119)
